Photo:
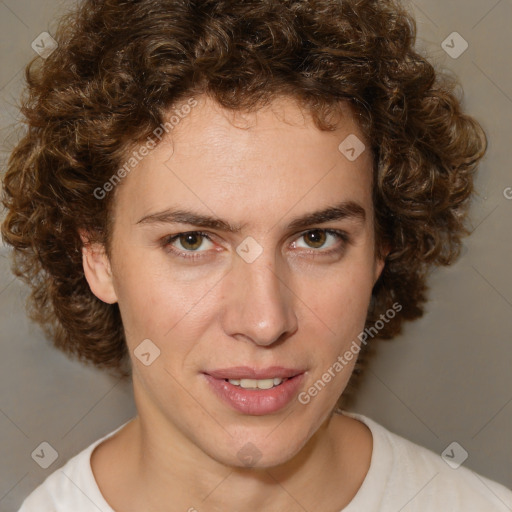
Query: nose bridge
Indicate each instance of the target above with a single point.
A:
(260, 304)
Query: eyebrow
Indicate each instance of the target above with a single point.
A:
(344, 210)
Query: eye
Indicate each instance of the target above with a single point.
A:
(187, 245)
(190, 242)
(330, 239)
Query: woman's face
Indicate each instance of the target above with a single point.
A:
(251, 291)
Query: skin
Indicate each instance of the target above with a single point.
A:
(294, 306)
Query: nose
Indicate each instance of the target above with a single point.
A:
(259, 302)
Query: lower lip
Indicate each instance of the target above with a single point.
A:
(256, 402)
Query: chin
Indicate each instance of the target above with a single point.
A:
(265, 449)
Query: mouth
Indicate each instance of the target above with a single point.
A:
(255, 392)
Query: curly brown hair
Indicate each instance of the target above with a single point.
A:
(120, 66)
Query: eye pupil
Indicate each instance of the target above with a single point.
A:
(315, 238)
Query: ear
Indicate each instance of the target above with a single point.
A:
(97, 269)
(381, 262)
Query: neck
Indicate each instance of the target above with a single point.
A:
(167, 472)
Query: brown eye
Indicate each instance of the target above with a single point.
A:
(322, 241)
(191, 241)
(316, 238)
(191, 245)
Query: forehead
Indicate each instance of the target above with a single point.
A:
(268, 162)
(233, 139)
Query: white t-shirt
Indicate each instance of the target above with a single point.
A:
(402, 477)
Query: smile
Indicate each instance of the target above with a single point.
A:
(255, 397)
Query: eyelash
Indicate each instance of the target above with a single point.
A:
(167, 242)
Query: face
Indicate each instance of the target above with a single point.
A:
(243, 248)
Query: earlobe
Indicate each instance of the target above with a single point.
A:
(97, 270)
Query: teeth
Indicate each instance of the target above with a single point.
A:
(256, 384)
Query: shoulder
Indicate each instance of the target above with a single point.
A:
(419, 479)
(59, 491)
(71, 487)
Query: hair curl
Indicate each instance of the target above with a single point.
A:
(120, 66)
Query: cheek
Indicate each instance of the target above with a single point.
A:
(157, 301)
(334, 318)
(339, 299)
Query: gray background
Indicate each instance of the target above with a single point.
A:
(446, 378)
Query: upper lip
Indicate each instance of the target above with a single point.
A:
(246, 372)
